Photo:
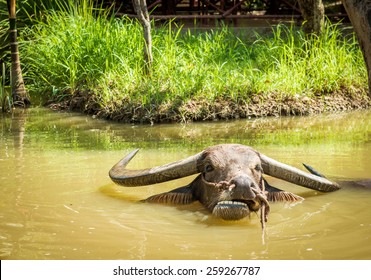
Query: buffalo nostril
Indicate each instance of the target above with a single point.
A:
(243, 187)
(231, 187)
(242, 181)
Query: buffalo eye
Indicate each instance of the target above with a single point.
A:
(209, 168)
(258, 168)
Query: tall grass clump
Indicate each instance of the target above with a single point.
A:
(194, 65)
(297, 63)
(77, 48)
(85, 48)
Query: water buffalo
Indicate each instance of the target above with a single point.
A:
(230, 183)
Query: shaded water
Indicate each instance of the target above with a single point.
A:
(57, 201)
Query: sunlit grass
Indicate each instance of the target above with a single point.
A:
(74, 49)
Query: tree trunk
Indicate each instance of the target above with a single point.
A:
(140, 7)
(19, 93)
(313, 13)
(359, 13)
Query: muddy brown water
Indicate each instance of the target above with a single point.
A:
(57, 201)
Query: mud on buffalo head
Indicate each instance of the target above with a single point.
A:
(230, 183)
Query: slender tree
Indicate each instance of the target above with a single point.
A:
(359, 13)
(19, 94)
(140, 7)
(313, 13)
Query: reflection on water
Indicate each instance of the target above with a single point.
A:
(58, 202)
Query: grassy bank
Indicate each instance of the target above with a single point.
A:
(95, 63)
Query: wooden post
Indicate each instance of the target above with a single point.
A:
(19, 93)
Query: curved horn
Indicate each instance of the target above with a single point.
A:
(182, 168)
(296, 176)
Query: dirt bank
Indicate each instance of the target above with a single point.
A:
(222, 109)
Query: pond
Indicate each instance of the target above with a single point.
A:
(57, 201)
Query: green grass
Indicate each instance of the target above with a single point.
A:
(84, 48)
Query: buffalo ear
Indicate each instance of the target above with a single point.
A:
(283, 196)
(275, 194)
(313, 171)
(182, 195)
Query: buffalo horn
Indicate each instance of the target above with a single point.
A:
(131, 178)
(293, 175)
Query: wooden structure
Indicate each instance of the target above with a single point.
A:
(227, 9)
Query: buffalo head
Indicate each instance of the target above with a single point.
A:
(230, 183)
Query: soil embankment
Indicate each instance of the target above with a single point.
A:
(221, 109)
